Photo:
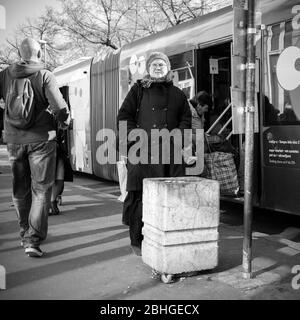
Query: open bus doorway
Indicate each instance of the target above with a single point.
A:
(67, 135)
(214, 76)
(218, 86)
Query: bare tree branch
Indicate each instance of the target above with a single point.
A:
(89, 27)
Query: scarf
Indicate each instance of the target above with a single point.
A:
(147, 80)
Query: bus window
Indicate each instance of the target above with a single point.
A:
(183, 69)
(282, 75)
(181, 60)
(185, 82)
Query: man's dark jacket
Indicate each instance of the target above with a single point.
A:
(46, 93)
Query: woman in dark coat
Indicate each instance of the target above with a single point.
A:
(152, 103)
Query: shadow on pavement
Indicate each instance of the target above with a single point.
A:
(77, 215)
(51, 269)
(232, 215)
(51, 239)
(114, 237)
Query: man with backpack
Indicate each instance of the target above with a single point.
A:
(32, 102)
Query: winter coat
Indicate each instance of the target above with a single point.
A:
(46, 92)
(161, 106)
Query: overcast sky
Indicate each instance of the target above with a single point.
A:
(18, 10)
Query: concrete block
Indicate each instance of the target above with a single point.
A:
(181, 203)
(181, 219)
(179, 237)
(180, 258)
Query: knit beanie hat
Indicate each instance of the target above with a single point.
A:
(157, 55)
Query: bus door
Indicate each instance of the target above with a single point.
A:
(80, 142)
(67, 134)
(218, 84)
(280, 134)
(214, 77)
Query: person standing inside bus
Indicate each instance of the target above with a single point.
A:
(152, 103)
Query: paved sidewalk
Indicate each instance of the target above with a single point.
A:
(88, 254)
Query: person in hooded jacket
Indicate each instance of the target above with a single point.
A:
(152, 103)
(32, 151)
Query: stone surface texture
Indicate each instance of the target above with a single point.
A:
(181, 219)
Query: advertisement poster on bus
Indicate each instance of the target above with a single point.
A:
(281, 141)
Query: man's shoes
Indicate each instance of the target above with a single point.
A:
(34, 252)
(54, 211)
(136, 250)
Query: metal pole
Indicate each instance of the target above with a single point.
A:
(45, 44)
(212, 91)
(249, 140)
